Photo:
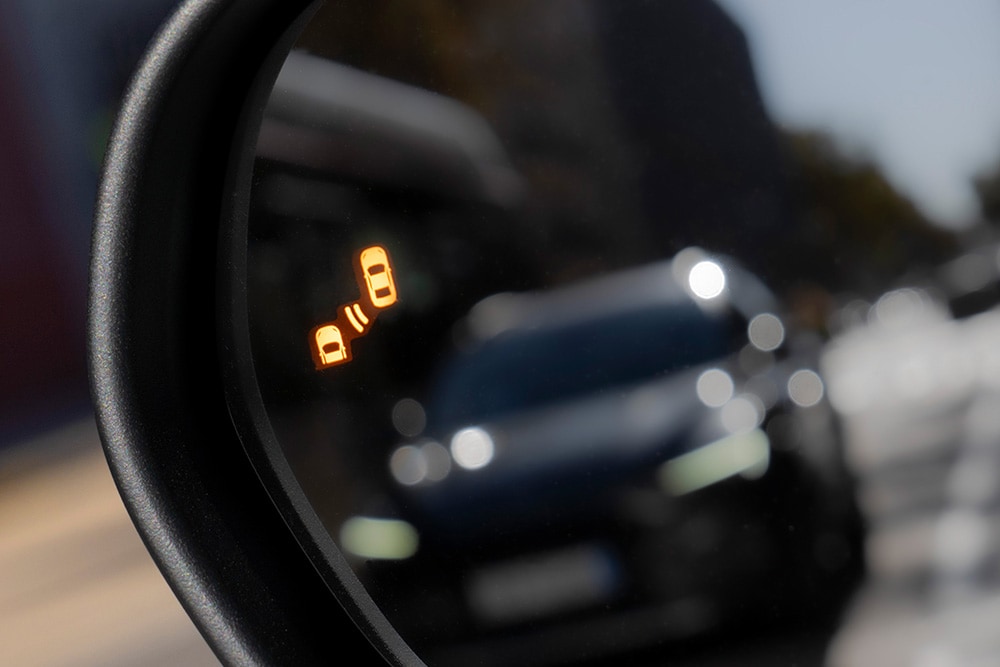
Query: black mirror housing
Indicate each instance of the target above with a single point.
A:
(156, 376)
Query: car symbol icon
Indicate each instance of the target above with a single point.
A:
(330, 343)
(378, 276)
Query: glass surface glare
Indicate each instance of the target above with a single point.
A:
(613, 333)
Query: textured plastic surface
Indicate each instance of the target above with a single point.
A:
(155, 368)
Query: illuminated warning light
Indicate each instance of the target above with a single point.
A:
(356, 317)
(329, 347)
(331, 343)
(377, 274)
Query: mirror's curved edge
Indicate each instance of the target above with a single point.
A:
(245, 403)
(174, 457)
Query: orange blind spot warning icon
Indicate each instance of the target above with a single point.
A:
(331, 343)
(378, 276)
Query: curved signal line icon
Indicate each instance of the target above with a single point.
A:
(356, 317)
(330, 343)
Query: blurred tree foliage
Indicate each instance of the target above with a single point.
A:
(987, 187)
(855, 231)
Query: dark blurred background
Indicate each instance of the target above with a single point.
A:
(63, 67)
(76, 584)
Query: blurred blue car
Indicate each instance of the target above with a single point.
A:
(612, 442)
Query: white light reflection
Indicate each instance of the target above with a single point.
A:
(382, 539)
(742, 414)
(408, 417)
(748, 453)
(683, 261)
(714, 387)
(415, 464)
(805, 388)
(707, 279)
(766, 332)
(900, 308)
(438, 460)
(472, 448)
(408, 465)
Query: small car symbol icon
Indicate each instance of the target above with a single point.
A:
(330, 343)
(378, 276)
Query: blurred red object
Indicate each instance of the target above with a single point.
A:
(42, 356)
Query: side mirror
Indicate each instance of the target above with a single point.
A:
(156, 363)
(483, 334)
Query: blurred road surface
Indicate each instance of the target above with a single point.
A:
(77, 586)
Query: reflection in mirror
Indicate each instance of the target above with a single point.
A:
(669, 325)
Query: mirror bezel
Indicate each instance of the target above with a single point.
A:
(156, 370)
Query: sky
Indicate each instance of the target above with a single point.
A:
(914, 84)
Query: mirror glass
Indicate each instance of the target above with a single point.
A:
(602, 331)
